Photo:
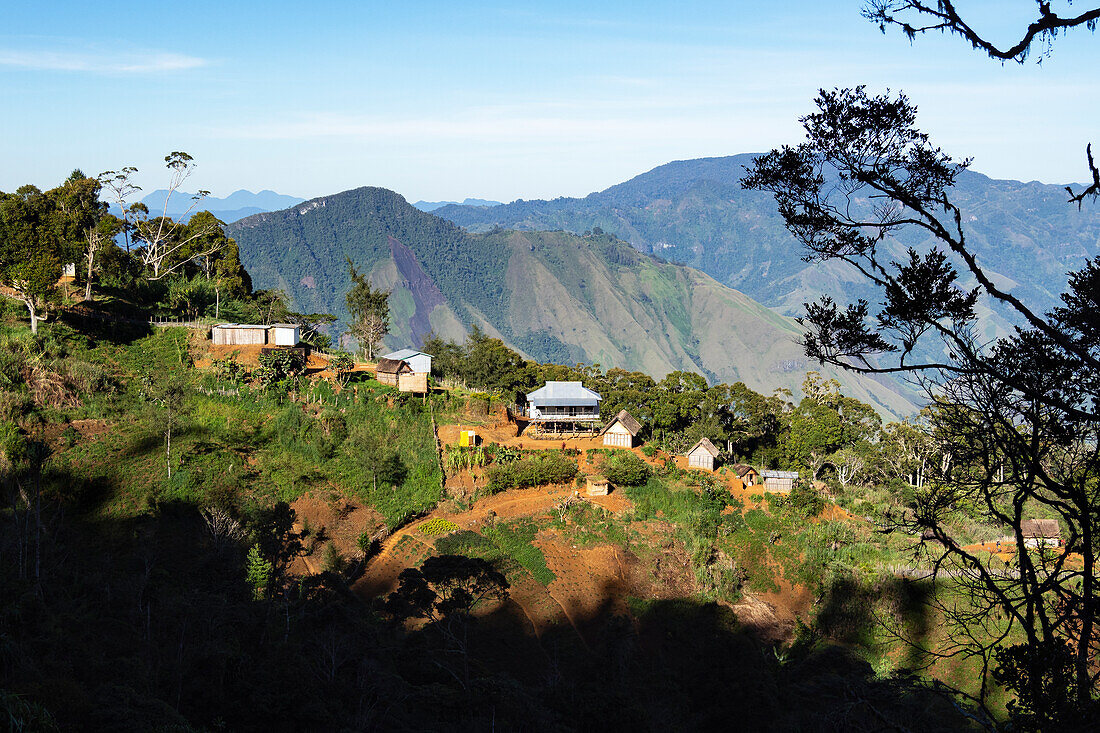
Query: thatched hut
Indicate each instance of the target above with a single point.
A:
(747, 474)
(389, 371)
(702, 455)
(1041, 532)
(621, 431)
(598, 486)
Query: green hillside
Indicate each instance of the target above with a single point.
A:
(695, 212)
(554, 296)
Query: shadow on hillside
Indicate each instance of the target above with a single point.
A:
(150, 623)
(107, 325)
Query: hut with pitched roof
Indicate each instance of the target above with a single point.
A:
(1041, 532)
(702, 455)
(622, 431)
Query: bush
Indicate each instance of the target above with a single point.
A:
(437, 526)
(549, 467)
(805, 500)
(626, 469)
(649, 450)
(275, 366)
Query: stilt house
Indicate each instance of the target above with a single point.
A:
(566, 407)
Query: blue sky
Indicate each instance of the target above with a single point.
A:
(496, 100)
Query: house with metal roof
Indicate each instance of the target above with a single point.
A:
(420, 362)
(564, 406)
(779, 481)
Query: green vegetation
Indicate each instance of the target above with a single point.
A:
(437, 526)
(544, 467)
(443, 279)
(508, 546)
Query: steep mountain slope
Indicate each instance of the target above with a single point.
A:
(552, 295)
(694, 211)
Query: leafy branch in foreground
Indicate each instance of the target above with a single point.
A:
(1019, 419)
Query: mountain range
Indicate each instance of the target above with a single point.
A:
(433, 205)
(236, 205)
(553, 296)
(695, 212)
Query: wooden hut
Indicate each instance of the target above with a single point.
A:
(416, 382)
(621, 431)
(420, 362)
(598, 486)
(389, 371)
(239, 334)
(779, 481)
(747, 474)
(702, 455)
(1041, 532)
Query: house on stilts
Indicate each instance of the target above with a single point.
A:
(563, 409)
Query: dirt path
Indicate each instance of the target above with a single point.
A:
(397, 552)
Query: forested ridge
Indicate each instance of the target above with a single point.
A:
(695, 212)
(556, 296)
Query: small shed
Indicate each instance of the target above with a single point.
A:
(239, 334)
(1041, 532)
(598, 486)
(284, 334)
(747, 474)
(420, 362)
(779, 481)
(621, 431)
(702, 455)
(389, 371)
(416, 382)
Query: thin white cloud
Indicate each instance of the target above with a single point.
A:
(105, 62)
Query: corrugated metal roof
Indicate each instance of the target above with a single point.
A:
(558, 394)
(241, 325)
(405, 354)
(779, 474)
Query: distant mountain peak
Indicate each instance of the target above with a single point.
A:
(433, 205)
